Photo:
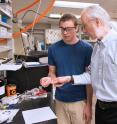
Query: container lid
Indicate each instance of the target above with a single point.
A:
(11, 85)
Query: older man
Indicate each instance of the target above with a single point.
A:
(103, 75)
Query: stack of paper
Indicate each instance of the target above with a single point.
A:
(38, 115)
(7, 115)
(12, 67)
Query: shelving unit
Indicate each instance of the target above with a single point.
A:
(6, 40)
(5, 25)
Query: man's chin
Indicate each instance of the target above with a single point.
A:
(67, 40)
(93, 38)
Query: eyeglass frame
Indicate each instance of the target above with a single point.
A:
(67, 29)
(84, 26)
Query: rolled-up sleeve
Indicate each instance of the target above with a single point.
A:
(82, 79)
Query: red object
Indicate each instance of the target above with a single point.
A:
(41, 92)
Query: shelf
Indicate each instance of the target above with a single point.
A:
(5, 25)
(5, 37)
(5, 12)
(4, 49)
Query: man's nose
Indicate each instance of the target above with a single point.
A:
(65, 32)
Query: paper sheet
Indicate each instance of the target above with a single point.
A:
(7, 115)
(38, 115)
(12, 67)
(31, 64)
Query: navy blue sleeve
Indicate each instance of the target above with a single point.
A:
(88, 55)
(50, 56)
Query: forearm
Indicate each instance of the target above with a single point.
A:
(52, 75)
(82, 79)
(52, 72)
(89, 91)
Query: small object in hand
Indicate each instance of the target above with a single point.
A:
(45, 82)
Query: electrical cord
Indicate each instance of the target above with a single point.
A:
(34, 12)
(27, 7)
(37, 12)
(35, 19)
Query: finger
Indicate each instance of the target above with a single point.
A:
(43, 80)
(83, 115)
(45, 83)
(88, 120)
(58, 85)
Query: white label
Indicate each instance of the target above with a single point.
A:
(2, 90)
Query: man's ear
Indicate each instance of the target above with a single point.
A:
(98, 22)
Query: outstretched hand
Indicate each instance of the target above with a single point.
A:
(58, 82)
(45, 81)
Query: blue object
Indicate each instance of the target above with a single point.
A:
(12, 106)
(4, 18)
(70, 60)
(42, 45)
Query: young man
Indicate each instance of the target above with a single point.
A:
(70, 56)
(97, 24)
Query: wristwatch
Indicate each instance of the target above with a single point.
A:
(72, 79)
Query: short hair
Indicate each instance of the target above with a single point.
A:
(67, 17)
(97, 11)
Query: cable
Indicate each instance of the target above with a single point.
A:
(36, 15)
(27, 7)
(35, 20)
(22, 18)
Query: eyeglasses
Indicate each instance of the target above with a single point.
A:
(67, 29)
(84, 26)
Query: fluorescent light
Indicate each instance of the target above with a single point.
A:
(59, 16)
(72, 4)
(55, 15)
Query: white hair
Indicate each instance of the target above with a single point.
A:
(98, 12)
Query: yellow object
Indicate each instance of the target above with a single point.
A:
(11, 89)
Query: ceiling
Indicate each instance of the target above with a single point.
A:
(109, 5)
